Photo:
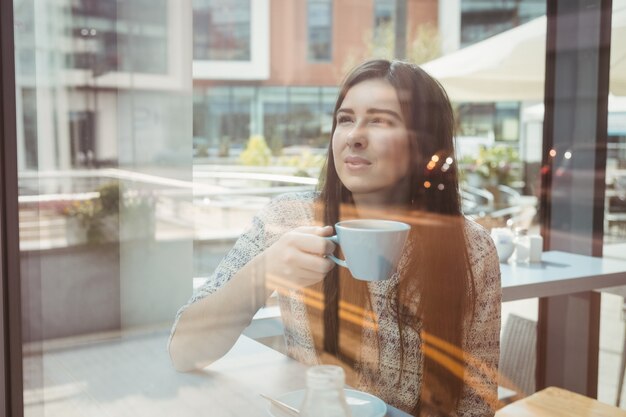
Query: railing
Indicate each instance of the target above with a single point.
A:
(172, 195)
(40, 221)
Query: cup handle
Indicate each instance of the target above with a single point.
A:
(332, 257)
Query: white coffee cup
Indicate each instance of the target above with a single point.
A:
(372, 247)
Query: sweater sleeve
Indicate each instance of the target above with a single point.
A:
(482, 343)
(281, 214)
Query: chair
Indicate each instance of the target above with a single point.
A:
(518, 355)
(476, 201)
(620, 291)
(620, 382)
(615, 208)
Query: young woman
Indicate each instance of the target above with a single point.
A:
(426, 340)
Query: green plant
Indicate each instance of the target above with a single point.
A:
(496, 164)
(423, 44)
(276, 145)
(202, 151)
(257, 153)
(95, 214)
(109, 198)
(224, 147)
(306, 160)
(82, 210)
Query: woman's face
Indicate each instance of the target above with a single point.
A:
(371, 143)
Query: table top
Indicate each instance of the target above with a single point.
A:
(133, 376)
(557, 402)
(560, 273)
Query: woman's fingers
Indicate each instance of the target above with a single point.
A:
(297, 258)
(312, 240)
(316, 264)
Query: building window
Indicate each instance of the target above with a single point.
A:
(384, 14)
(221, 30)
(225, 117)
(320, 23)
(98, 35)
(384, 33)
(482, 19)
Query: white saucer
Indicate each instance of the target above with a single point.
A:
(361, 403)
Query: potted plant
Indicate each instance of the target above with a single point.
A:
(97, 220)
(257, 153)
(79, 215)
(493, 166)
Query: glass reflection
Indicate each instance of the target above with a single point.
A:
(104, 129)
(116, 181)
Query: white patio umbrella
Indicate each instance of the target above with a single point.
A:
(510, 66)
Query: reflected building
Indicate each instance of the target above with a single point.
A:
(262, 67)
(103, 64)
(285, 88)
(300, 49)
(481, 19)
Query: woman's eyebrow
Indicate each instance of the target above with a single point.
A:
(372, 111)
(385, 111)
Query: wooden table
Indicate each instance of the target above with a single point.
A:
(557, 402)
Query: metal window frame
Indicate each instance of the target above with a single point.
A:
(11, 385)
(576, 110)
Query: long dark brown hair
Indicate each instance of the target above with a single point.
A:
(435, 291)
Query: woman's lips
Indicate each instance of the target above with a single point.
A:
(356, 162)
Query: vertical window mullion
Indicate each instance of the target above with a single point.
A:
(11, 397)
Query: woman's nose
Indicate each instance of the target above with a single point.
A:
(357, 137)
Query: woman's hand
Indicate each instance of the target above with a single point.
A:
(297, 259)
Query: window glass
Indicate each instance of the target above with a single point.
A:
(104, 144)
(141, 182)
(613, 305)
(384, 17)
(320, 34)
(97, 33)
(221, 30)
(481, 19)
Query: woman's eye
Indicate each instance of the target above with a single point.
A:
(344, 119)
(380, 121)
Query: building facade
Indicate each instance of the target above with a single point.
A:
(260, 67)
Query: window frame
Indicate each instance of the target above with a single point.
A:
(11, 384)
